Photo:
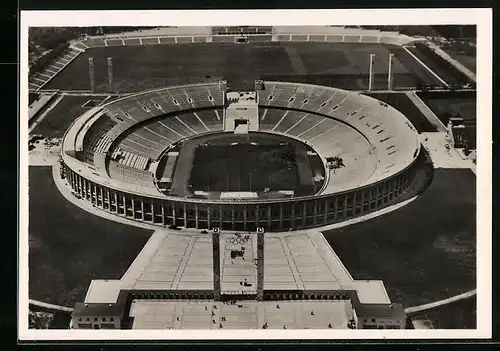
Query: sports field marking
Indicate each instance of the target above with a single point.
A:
(425, 66)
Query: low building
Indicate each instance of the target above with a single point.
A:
(379, 316)
(97, 316)
(462, 132)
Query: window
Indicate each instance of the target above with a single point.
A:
(79, 319)
(373, 320)
(111, 319)
(87, 319)
(104, 319)
(95, 319)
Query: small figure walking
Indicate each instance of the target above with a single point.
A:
(312, 313)
(278, 307)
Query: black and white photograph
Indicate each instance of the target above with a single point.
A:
(255, 174)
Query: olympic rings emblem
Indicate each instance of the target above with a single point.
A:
(238, 240)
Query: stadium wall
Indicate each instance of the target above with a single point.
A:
(273, 215)
(280, 34)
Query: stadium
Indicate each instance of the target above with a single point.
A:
(280, 133)
(128, 149)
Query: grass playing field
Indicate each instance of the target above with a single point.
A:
(343, 65)
(251, 163)
(58, 120)
(424, 251)
(69, 246)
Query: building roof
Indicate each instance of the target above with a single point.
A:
(394, 310)
(97, 309)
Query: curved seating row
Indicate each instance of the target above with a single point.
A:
(386, 128)
(370, 136)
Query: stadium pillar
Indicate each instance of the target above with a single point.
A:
(345, 206)
(162, 213)
(245, 218)
(304, 214)
(153, 214)
(232, 217)
(101, 193)
(370, 78)
(115, 196)
(362, 202)
(326, 211)
(110, 73)
(208, 217)
(315, 211)
(260, 264)
(216, 263)
(173, 213)
(389, 73)
(196, 215)
(269, 213)
(184, 212)
(92, 74)
(281, 215)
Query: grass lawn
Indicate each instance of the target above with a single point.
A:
(69, 246)
(137, 68)
(58, 120)
(403, 104)
(424, 251)
(457, 315)
(444, 104)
